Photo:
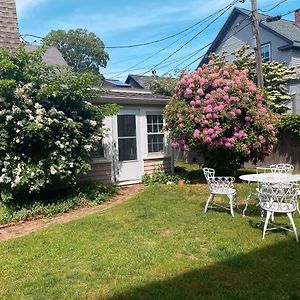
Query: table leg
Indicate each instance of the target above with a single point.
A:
(248, 198)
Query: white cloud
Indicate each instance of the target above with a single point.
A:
(22, 5)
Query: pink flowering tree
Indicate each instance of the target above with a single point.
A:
(219, 112)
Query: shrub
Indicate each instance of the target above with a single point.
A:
(48, 128)
(160, 177)
(220, 113)
(290, 124)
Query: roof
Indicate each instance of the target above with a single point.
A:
(131, 96)
(52, 56)
(140, 80)
(287, 30)
(9, 31)
(108, 83)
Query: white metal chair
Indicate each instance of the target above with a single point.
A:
(282, 168)
(278, 198)
(220, 185)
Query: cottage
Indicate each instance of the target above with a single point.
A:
(135, 144)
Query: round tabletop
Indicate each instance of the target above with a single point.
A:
(270, 177)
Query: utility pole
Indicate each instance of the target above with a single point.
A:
(259, 73)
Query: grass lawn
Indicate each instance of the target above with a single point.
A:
(158, 245)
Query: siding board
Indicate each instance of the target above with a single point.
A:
(100, 171)
(157, 164)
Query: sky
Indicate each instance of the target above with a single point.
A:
(130, 22)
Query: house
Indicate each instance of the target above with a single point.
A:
(280, 41)
(52, 56)
(135, 144)
(138, 81)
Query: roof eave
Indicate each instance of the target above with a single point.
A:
(294, 45)
(130, 100)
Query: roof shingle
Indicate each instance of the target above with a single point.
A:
(9, 31)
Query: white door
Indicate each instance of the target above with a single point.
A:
(128, 158)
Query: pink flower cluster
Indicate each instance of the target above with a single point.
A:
(222, 109)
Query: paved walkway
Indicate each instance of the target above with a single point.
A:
(15, 230)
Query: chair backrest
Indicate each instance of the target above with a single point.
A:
(278, 197)
(209, 174)
(282, 168)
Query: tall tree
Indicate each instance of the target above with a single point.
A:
(82, 50)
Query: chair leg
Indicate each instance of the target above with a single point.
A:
(236, 202)
(272, 217)
(293, 225)
(231, 204)
(266, 223)
(210, 199)
(298, 209)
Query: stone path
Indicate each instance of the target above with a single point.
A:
(15, 230)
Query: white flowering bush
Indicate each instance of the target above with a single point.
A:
(48, 128)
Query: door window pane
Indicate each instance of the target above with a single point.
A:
(126, 125)
(127, 149)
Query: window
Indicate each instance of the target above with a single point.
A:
(155, 136)
(127, 137)
(266, 52)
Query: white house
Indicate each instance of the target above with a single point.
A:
(135, 143)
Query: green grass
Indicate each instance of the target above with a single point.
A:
(158, 245)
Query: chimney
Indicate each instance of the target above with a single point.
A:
(9, 31)
(297, 16)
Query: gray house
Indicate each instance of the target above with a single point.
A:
(280, 41)
(138, 81)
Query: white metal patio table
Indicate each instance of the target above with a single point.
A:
(266, 177)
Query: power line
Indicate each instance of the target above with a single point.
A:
(192, 55)
(172, 61)
(166, 47)
(196, 35)
(279, 3)
(223, 42)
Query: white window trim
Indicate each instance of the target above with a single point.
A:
(159, 153)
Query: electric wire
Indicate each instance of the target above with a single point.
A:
(186, 43)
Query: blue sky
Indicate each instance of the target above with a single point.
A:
(119, 22)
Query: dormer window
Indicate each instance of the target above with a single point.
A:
(266, 52)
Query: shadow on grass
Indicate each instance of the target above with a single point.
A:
(194, 173)
(272, 272)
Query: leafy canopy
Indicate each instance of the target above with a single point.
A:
(48, 129)
(82, 50)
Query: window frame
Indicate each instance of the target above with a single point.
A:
(163, 151)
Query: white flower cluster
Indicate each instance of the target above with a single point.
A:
(46, 144)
